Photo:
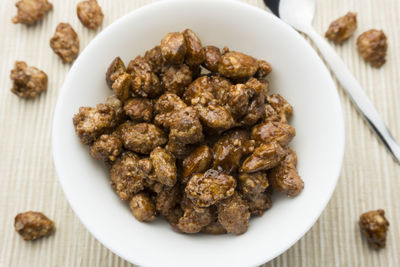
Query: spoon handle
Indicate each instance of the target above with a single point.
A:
(356, 93)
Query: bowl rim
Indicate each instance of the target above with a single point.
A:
(340, 139)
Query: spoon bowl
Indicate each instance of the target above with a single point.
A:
(297, 13)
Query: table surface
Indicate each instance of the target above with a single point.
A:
(369, 179)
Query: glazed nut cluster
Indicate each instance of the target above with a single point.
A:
(32, 225)
(371, 45)
(374, 227)
(29, 81)
(192, 134)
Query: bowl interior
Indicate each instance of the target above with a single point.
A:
(298, 74)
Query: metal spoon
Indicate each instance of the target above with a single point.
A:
(299, 14)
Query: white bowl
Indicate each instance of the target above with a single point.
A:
(298, 74)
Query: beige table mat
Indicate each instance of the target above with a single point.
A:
(369, 179)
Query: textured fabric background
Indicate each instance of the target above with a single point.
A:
(369, 180)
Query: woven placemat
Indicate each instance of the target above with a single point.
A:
(369, 180)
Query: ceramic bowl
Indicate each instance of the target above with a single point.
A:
(298, 74)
